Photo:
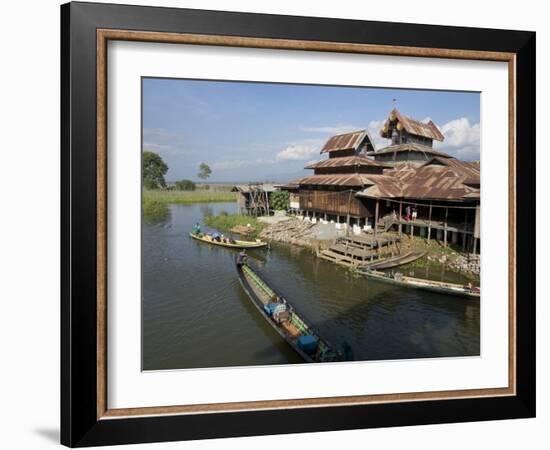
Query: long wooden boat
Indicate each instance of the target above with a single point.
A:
(441, 287)
(235, 244)
(285, 320)
(398, 260)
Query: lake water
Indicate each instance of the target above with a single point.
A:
(195, 313)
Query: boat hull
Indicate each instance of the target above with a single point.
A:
(425, 285)
(238, 244)
(259, 305)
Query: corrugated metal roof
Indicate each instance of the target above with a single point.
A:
(439, 179)
(411, 126)
(246, 188)
(347, 141)
(346, 161)
(352, 179)
(410, 147)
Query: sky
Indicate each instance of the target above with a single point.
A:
(268, 132)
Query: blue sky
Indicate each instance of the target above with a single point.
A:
(267, 131)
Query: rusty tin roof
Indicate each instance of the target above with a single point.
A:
(346, 161)
(412, 126)
(346, 141)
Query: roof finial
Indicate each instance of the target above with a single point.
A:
(394, 101)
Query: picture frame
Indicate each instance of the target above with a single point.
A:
(86, 28)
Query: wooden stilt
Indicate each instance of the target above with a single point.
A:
(445, 228)
(400, 216)
(430, 222)
(376, 219)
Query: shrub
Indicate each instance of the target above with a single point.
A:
(280, 200)
(185, 185)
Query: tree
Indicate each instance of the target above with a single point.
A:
(204, 171)
(153, 171)
(185, 185)
(280, 200)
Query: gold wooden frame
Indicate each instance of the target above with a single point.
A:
(103, 36)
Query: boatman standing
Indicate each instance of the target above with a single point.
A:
(242, 258)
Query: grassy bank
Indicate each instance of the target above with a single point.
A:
(154, 212)
(188, 197)
(226, 222)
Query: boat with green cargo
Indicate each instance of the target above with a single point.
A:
(286, 321)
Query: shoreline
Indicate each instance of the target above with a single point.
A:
(320, 236)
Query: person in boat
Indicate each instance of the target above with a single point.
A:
(242, 258)
(197, 228)
(216, 236)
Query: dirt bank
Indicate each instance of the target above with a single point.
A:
(318, 236)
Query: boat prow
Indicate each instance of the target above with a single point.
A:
(230, 243)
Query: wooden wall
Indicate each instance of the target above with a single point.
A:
(333, 202)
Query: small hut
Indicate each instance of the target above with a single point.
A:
(254, 199)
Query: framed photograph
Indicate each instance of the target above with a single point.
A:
(276, 224)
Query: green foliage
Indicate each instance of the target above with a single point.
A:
(154, 211)
(186, 197)
(204, 171)
(185, 185)
(280, 200)
(225, 222)
(153, 171)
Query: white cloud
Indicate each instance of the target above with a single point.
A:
(336, 129)
(164, 141)
(462, 139)
(231, 164)
(374, 131)
(300, 151)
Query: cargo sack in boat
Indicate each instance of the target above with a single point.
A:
(308, 344)
(270, 307)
